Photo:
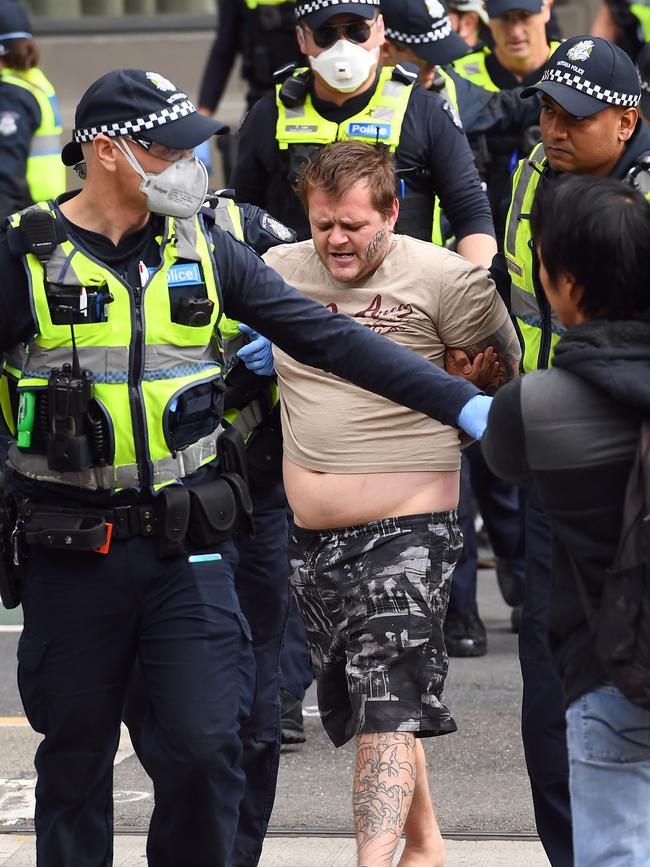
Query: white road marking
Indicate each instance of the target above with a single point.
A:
(17, 800)
(311, 710)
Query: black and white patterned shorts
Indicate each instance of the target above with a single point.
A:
(373, 599)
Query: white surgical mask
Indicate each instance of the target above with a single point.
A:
(345, 65)
(178, 191)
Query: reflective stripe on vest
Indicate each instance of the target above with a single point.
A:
(137, 404)
(472, 67)
(45, 171)
(380, 122)
(520, 262)
(642, 12)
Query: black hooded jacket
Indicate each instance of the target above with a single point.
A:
(572, 431)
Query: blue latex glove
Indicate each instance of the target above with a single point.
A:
(204, 153)
(474, 415)
(258, 354)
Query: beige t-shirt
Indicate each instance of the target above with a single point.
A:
(422, 297)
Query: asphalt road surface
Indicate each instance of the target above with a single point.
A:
(477, 775)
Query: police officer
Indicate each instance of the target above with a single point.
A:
(30, 124)
(345, 95)
(419, 32)
(521, 49)
(590, 125)
(263, 32)
(127, 488)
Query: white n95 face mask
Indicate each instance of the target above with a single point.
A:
(178, 191)
(345, 66)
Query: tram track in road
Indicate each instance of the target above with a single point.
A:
(314, 833)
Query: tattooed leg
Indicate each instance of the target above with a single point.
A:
(424, 844)
(384, 783)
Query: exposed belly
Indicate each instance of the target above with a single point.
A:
(323, 500)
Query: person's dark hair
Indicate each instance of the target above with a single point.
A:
(21, 54)
(598, 231)
(339, 166)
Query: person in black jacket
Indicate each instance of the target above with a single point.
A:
(572, 431)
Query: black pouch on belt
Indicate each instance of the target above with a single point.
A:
(172, 520)
(214, 513)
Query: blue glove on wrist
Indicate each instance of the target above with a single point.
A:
(474, 415)
(204, 153)
(258, 354)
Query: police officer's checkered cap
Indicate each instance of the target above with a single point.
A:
(307, 8)
(441, 30)
(611, 97)
(132, 102)
(138, 125)
(425, 28)
(586, 74)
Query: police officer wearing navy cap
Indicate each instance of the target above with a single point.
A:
(30, 124)
(126, 488)
(590, 125)
(419, 32)
(521, 48)
(344, 94)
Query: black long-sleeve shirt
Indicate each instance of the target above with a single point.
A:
(433, 158)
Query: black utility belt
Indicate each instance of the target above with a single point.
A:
(181, 519)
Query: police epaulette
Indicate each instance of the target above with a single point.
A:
(405, 73)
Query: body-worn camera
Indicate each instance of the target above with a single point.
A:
(195, 312)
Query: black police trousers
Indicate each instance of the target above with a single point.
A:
(88, 617)
(543, 724)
